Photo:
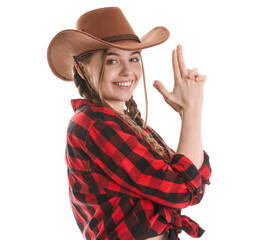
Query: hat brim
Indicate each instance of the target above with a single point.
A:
(69, 43)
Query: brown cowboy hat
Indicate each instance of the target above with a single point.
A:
(98, 29)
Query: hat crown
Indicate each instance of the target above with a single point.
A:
(104, 22)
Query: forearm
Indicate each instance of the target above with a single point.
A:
(190, 142)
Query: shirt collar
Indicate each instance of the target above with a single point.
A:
(79, 102)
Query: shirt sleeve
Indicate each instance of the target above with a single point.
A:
(205, 170)
(129, 165)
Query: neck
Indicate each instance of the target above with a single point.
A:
(117, 106)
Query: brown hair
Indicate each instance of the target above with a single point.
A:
(87, 92)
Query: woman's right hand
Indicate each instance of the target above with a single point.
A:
(187, 93)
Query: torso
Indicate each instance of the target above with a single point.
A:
(164, 236)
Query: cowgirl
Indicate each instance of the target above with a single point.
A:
(124, 181)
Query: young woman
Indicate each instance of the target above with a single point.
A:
(124, 181)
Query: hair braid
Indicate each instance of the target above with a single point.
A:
(132, 107)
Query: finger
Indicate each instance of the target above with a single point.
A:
(181, 61)
(201, 78)
(189, 73)
(176, 70)
(195, 72)
(198, 78)
(161, 89)
(192, 73)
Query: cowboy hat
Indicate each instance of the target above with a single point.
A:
(97, 29)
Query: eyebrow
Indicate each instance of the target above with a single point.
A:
(116, 54)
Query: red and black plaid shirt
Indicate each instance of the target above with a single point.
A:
(120, 187)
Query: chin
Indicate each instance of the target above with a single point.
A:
(124, 98)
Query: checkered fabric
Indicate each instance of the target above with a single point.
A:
(120, 187)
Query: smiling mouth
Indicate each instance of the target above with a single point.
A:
(124, 83)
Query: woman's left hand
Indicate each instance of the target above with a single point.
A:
(193, 75)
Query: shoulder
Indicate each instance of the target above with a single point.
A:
(86, 114)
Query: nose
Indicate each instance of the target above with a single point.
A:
(125, 70)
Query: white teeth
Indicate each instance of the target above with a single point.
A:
(126, 84)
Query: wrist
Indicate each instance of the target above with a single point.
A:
(191, 112)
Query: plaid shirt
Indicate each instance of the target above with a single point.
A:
(120, 187)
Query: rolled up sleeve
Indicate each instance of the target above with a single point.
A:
(197, 179)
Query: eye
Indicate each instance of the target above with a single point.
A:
(135, 60)
(111, 61)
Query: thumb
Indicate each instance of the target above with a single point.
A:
(161, 89)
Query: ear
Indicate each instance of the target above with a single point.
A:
(80, 71)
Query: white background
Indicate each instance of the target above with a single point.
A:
(223, 39)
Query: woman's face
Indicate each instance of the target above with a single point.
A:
(122, 72)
